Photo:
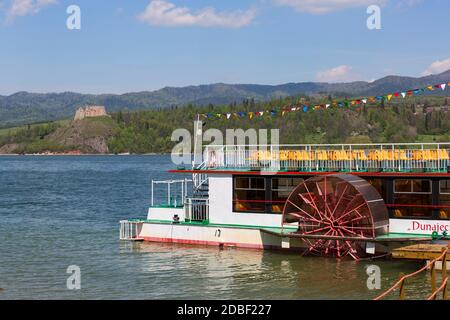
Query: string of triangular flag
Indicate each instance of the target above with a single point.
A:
(343, 103)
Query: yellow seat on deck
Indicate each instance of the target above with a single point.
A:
(444, 214)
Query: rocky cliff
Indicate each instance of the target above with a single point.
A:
(89, 135)
(90, 112)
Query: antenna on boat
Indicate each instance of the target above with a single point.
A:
(198, 143)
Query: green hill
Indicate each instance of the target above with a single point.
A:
(23, 107)
(414, 119)
(90, 135)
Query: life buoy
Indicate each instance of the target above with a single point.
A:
(435, 235)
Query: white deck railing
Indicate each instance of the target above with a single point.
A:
(400, 157)
(176, 192)
(196, 209)
(199, 179)
(130, 230)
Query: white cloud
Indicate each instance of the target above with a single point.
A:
(342, 73)
(410, 3)
(164, 13)
(326, 6)
(20, 8)
(437, 67)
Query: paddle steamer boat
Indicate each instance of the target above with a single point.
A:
(353, 200)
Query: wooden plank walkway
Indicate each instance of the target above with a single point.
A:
(422, 251)
(419, 251)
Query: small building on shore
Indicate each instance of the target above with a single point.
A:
(90, 112)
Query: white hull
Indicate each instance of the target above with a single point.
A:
(214, 236)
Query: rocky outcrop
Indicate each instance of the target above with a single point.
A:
(90, 135)
(98, 144)
(9, 148)
(90, 112)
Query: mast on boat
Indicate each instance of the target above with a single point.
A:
(198, 143)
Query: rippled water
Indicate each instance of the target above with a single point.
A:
(61, 211)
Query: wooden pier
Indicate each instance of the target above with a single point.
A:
(434, 254)
(423, 251)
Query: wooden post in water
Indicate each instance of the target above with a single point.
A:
(444, 274)
(433, 276)
(444, 265)
(445, 292)
(402, 287)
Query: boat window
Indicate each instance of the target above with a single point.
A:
(249, 183)
(249, 194)
(402, 186)
(242, 183)
(281, 188)
(421, 186)
(285, 184)
(412, 186)
(412, 198)
(258, 183)
(444, 199)
(444, 186)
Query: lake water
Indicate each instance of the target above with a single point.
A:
(62, 211)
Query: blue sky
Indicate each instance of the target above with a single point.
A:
(136, 45)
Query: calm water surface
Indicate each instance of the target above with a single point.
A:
(61, 211)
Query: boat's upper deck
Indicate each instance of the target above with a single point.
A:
(362, 158)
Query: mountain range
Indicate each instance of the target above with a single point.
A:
(25, 107)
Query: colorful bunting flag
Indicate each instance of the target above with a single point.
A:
(345, 103)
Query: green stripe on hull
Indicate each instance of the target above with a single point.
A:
(278, 230)
(213, 225)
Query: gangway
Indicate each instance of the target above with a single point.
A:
(431, 265)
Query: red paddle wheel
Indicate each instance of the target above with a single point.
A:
(336, 214)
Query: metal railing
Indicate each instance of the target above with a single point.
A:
(199, 179)
(130, 230)
(400, 284)
(331, 157)
(177, 191)
(196, 209)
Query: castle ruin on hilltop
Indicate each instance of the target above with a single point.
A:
(89, 112)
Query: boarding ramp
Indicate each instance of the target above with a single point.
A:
(420, 252)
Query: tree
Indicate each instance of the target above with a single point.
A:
(363, 139)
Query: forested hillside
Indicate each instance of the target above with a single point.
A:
(23, 107)
(413, 119)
